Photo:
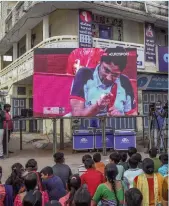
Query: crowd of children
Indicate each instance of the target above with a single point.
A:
(126, 180)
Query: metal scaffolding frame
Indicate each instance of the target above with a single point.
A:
(54, 133)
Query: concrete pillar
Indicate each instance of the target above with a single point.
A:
(28, 40)
(45, 27)
(1, 62)
(15, 51)
(140, 109)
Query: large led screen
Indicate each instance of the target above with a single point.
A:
(85, 82)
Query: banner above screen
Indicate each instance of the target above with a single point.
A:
(85, 82)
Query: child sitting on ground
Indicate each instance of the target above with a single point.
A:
(153, 155)
(98, 164)
(131, 151)
(123, 161)
(163, 170)
(138, 157)
(81, 168)
(133, 197)
(53, 184)
(6, 193)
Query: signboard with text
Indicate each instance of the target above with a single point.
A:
(85, 29)
(152, 82)
(150, 53)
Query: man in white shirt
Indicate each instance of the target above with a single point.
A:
(104, 90)
(133, 172)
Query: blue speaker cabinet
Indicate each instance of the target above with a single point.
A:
(83, 140)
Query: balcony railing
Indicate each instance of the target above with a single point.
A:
(22, 67)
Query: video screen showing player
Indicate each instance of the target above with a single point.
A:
(104, 90)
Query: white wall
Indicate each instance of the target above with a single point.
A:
(4, 6)
(22, 45)
(64, 22)
(38, 31)
(133, 32)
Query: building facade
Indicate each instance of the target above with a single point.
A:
(34, 24)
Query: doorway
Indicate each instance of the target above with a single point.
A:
(32, 123)
(18, 105)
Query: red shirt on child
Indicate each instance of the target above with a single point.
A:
(92, 178)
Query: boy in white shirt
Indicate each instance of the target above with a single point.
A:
(133, 172)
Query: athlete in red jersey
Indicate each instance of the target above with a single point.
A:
(83, 57)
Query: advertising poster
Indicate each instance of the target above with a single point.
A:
(85, 82)
(163, 58)
(85, 29)
(150, 45)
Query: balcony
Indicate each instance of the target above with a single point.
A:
(149, 7)
(22, 68)
(17, 13)
(23, 15)
(149, 11)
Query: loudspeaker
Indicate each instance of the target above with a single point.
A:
(30, 113)
(24, 112)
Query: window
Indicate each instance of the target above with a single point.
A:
(107, 27)
(105, 32)
(50, 30)
(8, 11)
(145, 97)
(7, 58)
(21, 91)
(152, 98)
(161, 37)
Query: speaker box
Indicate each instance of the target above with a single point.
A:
(24, 112)
(30, 113)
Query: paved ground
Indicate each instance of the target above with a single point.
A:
(44, 156)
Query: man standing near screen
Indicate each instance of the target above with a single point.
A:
(104, 90)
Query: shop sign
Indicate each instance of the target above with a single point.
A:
(152, 82)
(85, 29)
(150, 47)
(107, 20)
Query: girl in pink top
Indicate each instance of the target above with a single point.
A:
(73, 185)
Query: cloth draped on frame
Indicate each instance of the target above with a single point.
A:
(142, 185)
